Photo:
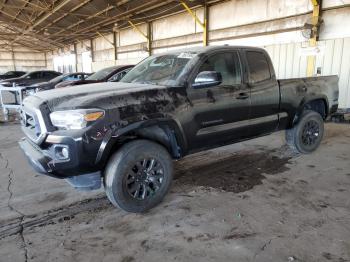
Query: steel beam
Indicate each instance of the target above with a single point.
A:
(105, 38)
(16, 7)
(20, 10)
(83, 21)
(40, 20)
(203, 24)
(83, 3)
(122, 16)
(51, 12)
(146, 36)
(13, 17)
(36, 37)
(138, 30)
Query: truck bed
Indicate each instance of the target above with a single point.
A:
(324, 87)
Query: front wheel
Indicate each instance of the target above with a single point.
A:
(138, 176)
(306, 136)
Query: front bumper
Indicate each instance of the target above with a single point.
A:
(74, 169)
(36, 158)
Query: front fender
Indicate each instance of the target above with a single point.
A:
(164, 131)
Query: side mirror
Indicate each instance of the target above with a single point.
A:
(207, 79)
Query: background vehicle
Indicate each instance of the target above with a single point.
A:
(109, 74)
(59, 79)
(31, 78)
(168, 106)
(12, 74)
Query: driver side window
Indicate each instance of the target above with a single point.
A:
(227, 64)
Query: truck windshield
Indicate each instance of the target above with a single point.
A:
(160, 70)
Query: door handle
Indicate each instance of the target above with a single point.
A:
(242, 96)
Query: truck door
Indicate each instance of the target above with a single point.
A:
(219, 114)
(264, 93)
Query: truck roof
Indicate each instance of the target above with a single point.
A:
(208, 49)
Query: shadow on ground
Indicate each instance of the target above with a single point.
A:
(238, 173)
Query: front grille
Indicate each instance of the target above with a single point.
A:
(32, 126)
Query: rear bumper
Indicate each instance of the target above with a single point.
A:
(333, 109)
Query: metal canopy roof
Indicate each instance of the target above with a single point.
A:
(50, 24)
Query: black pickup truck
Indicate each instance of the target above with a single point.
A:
(125, 135)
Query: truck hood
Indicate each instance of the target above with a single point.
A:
(100, 95)
(40, 85)
(77, 82)
(4, 77)
(13, 80)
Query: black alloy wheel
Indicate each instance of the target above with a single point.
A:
(144, 179)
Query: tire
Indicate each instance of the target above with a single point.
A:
(130, 182)
(306, 136)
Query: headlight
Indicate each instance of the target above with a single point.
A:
(75, 119)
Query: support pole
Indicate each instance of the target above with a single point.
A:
(149, 39)
(115, 46)
(76, 56)
(316, 15)
(204, 24)
(92, 50)
(45, 59)
(13, 59)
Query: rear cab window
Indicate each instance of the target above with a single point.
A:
(258, 66)
(34, 75)
(49, 74)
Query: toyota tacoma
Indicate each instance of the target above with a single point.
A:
(126, 135)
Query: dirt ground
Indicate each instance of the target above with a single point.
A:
(253, 201)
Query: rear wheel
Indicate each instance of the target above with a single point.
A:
(138, 176)
(306, 136)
